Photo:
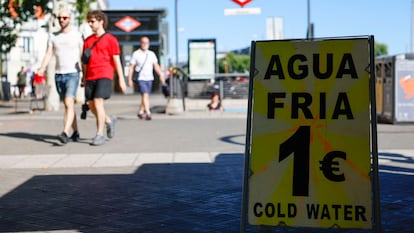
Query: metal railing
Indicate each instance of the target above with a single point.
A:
(227, 85)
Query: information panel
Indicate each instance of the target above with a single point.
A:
(309, 162)
(202, 59)
(404, 90)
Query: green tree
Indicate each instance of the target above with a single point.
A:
(82, 6)
(234, 63)
(13, 13)
(8, 31)
(240, 63)
(380, 49)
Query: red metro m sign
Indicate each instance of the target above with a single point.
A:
(128, 24)
(242, 3)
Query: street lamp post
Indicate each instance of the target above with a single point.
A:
(173, 105)
(412, 27)
(310, 31)
(172, 81)
(176, 32)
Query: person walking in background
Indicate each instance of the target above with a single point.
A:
(99, 73)
(66, 45)
(144, 62)
(21, 81)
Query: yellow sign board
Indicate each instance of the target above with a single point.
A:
(309, 159)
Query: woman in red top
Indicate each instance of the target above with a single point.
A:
(99, 73)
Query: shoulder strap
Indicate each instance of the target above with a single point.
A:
(94, 43)
(146, 56)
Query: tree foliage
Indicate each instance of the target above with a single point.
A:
(9, 21)
(82, 6)
(27, 8)
(380, 49)
(234, 63)
(13, 13)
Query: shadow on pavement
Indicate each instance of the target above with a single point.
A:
(51, 139)
(232, 139)
(187, 197)
(6, 106)
(158, 109)
(194, 197)
(397, 159)
(397, 193)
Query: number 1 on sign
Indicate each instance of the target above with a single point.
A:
(298, 145)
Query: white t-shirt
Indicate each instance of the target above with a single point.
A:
(138, 59)
(66, 47)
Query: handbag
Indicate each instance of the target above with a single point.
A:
(86, 55)
(135, 74)
(165, 90)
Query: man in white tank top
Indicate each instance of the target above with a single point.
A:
(66, 45)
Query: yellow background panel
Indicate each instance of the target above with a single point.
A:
(347, 203)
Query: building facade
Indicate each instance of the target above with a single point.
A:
(32, 43)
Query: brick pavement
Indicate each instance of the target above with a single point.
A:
(78, 188)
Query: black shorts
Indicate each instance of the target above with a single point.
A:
(100, 88)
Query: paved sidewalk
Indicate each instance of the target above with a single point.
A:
(128, 104)
(178, 173)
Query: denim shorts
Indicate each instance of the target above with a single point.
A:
(145, 86)
(67, 84)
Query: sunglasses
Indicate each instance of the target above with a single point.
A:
(63, 17)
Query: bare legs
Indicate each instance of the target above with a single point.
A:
(97, 108)
(145, 105)
(69, 119)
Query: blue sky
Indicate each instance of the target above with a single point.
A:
(389, 21)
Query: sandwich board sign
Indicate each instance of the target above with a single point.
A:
(311, 153)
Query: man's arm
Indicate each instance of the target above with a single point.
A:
(46, 60)
(157, 69)
(84, 67)
(130, 72)
(118, 68)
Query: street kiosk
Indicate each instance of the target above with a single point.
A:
(395, 88)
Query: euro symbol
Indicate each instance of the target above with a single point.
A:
(329, 166)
